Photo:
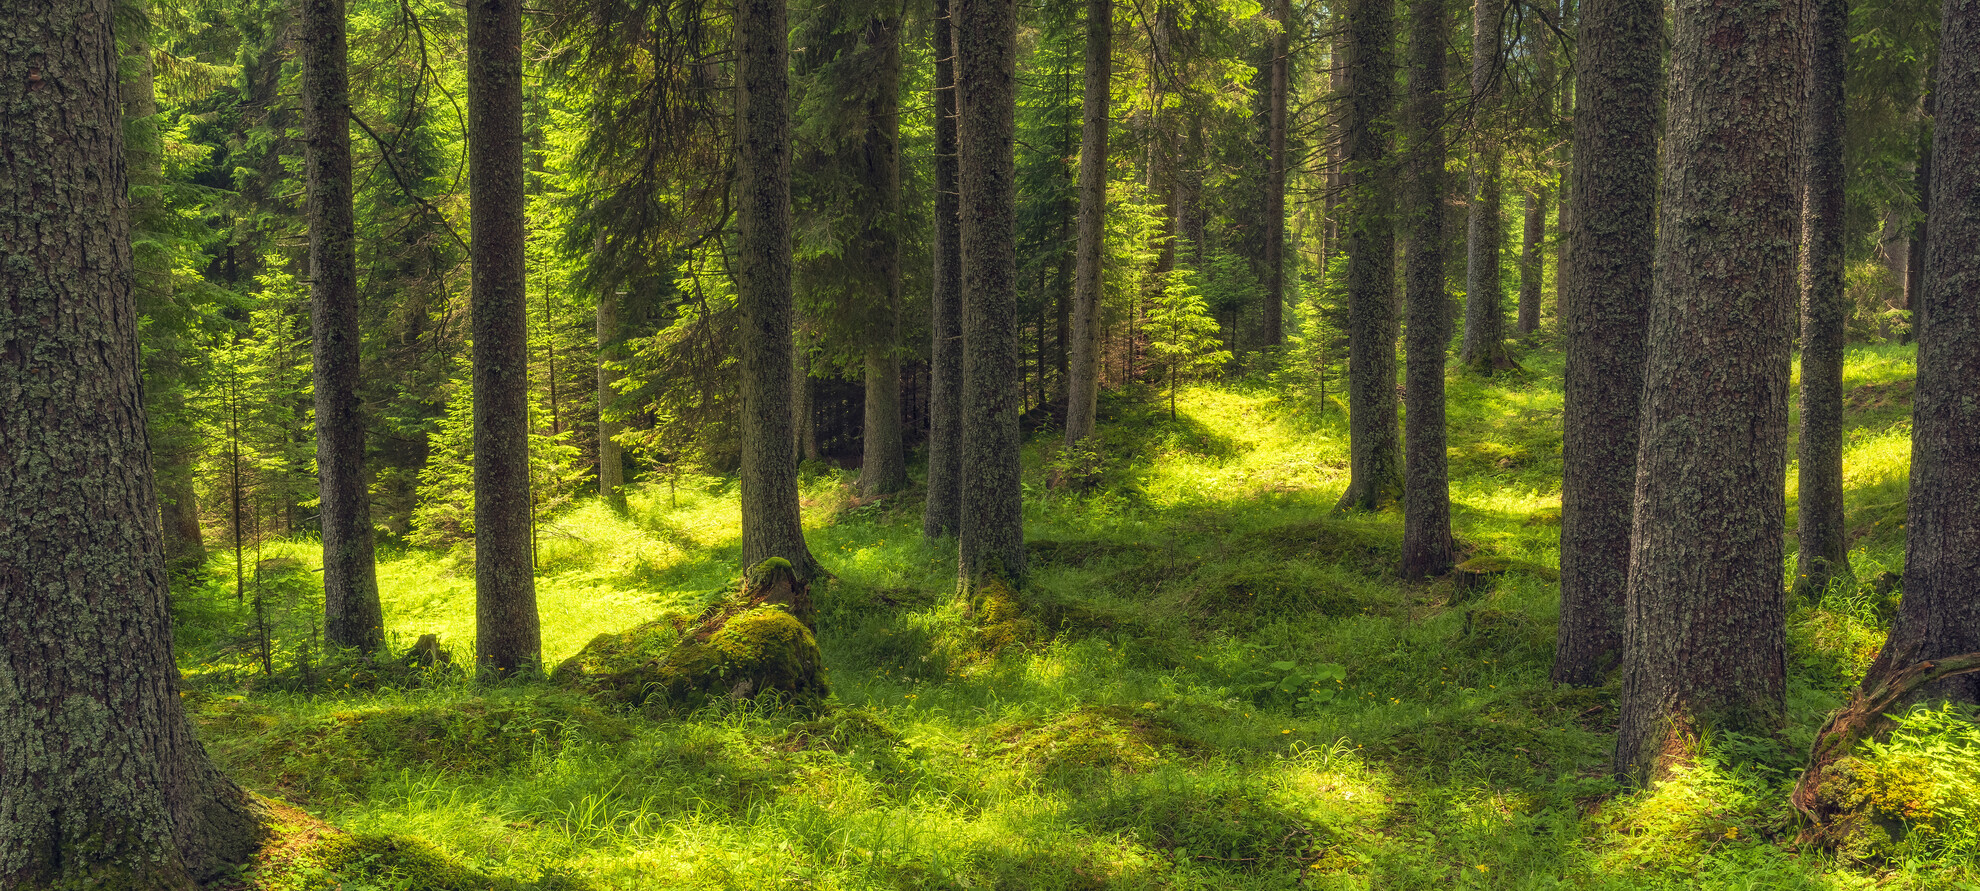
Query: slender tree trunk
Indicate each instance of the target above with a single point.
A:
(1275, 176)
(507, 637)
(1484, 294)
(1532, 254)
(1427, 545)
(771, 525)
(1704, 637)
(1915, 265)
(992, 537)
(1939, 615)
(611, 458)
(1375, 459)
(352, 616)
(943, 514)
(1564, 225)
(1605, 305)
(1823, 551)
(1082, 402)
(102, 780)
(883, 465)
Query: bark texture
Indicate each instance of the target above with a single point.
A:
(943, 514)
(1532, 253)
(1082, 402)
(1375, 459)
(1484, 346)
(992, 536)
(1427, 546)
(507, 636)
(1272, 257)
(102, 783)
(352, 616)
(1704, 623)
(883, 463)
(611, 457)
(1605, 306)
(771, 526)
(1940, 613)
(1823, 548)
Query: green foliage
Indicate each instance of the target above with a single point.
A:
(1182, 336)
(445, 513)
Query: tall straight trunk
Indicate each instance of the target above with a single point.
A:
(1485, 226)
(943, 513)
(1823, 552)
(1605, 305)
(1082, 401)
(1275, 176)
(883, 466)
(352, 616)
(1915, 264)
(1374, 455)
(1564, 223)
(507, 636)
(1532, 253)
(103, 782)
(1704, 637)
(992, 537)
(611, 458)
(1939, 615)
(1427, 545)
(771, 526)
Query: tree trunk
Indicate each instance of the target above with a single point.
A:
(771, 526)
(1532, 254)
(1704, 636)
(507, 638)
(1427, 546)
(1082, 401)
(611, 458)
(1374, 458)
(1915, 264)
(1605, 304)
(1484, 294)
(883, 465)
(1275, 176)
(1939, 615)
(992, 536)
(352, 616)
(103, 783)
(943, 514)
(1823, 552)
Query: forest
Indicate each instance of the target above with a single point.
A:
(971, 444)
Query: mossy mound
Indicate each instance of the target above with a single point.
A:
(1364, 547)
(840, 731)
(753, 643)
(999, 616)
(1107, 739)
(1248, 592)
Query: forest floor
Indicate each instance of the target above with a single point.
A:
(1232, 689)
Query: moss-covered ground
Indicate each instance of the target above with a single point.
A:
(1227, 687)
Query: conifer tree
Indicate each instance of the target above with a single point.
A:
(1374, 470)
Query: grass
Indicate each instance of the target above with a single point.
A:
(1153, 738)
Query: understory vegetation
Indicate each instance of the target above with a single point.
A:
(1221, 683)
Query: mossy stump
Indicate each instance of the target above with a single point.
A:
(998, 616)
(755, 642)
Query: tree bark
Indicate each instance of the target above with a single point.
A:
(507, 636)
(1532, 254)
(943, 514)
(771, 526)
(1427, 546)
(1374, 458)
(101, 779)
(1082, 403)
(1704, 630)
(1605, 304)
(611, 458)
(352, 616)
(883, 465)
(1484, 294)
(1823, 551)
(992, 535)
(1275, 176)
(1915, 264)
(1939, 615)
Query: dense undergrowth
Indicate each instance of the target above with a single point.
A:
(1227, 687)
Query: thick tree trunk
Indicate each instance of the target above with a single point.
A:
(1605, 305)
(1704, 637)
(1427, 545)
(611, 458)
(1824, 550)
(1374, 456)
(1082, 401)
(1940, 616)
(1275, 176)
(1484, 346)
(507, 637)
(352, 616)
(943, 514)
(883, 466)
(102, 782)
(992, 536)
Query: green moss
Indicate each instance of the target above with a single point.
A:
(398, 863)
(734, 651)
(999, 616)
